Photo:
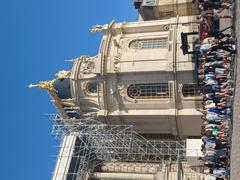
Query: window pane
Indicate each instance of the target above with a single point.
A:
(190, 90)
(149, 91)
(92, 87)
(149, 43)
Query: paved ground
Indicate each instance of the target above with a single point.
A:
(235, 148)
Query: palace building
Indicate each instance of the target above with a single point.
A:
(130, 112)
(141, 77)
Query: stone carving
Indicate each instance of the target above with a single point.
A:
(88, 64)
(96, 28)
(121, 90)
(166, 27)
(115, 42)
(124, 43)
(116, 63)
(88, 67)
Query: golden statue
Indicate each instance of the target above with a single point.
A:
(62, 74)
(46, 85)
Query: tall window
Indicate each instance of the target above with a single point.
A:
(190, 90)
(149, 91)
(149, 43)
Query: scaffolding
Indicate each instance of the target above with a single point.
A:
(97, 143)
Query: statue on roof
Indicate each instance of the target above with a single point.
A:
(46, 85)
(62, 74)
(96, 28)
(43, 85)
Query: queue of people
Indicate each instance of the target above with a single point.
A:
(215, 57)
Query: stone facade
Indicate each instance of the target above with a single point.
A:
(141, 77)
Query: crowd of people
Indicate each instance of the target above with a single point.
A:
(216, 52)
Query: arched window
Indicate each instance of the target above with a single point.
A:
(149, 91)
(190, 90)
(149, 43)
(92, 87)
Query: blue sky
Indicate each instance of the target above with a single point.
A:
(36, 36)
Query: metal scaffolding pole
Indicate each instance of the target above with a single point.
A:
(97, 143)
